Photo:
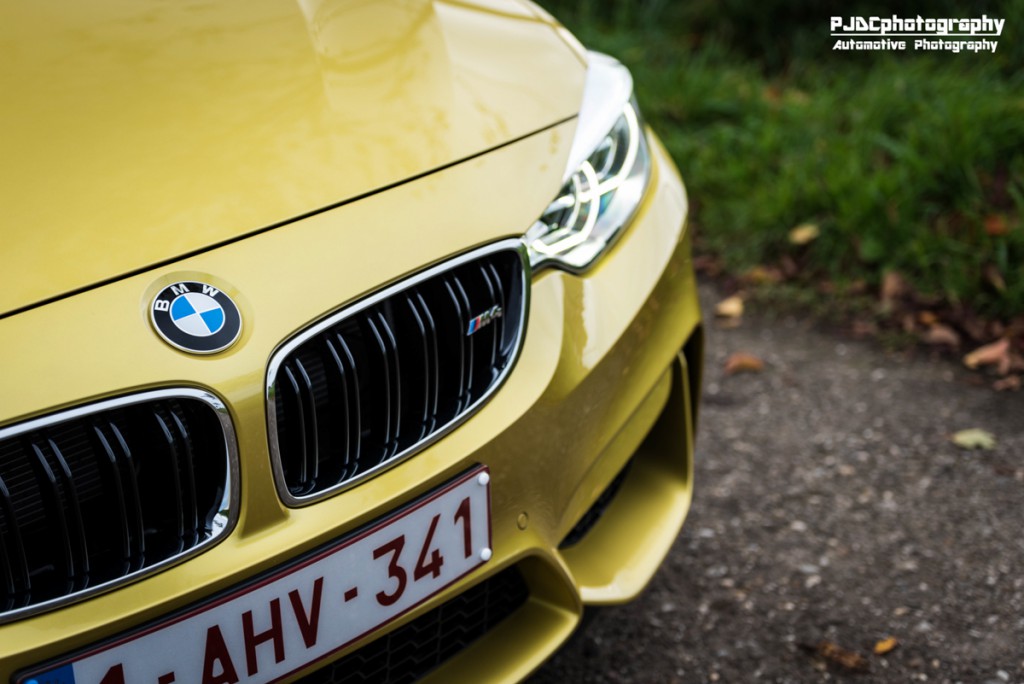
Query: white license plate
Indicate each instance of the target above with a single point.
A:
(298, 615)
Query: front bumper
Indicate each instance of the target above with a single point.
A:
(606, 378)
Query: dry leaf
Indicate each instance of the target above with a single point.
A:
(996, 226)
(886, 645)
(975, 438)
(994, 278)
(893, 287)
(804, 233)
(1010, 383)
(850, 660)
(996, 354)
(941, 335)
(741, 362)
(927, 318)
(731, 307)
(760, 275)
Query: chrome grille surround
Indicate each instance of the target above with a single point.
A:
(370, 306)
(222, 522)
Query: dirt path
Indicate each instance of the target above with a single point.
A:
(831, 506)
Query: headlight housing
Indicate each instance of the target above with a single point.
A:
(607, 174)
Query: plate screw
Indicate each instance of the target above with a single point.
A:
(483, 478)
(485, 554)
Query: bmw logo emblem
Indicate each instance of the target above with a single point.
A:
(196, 317)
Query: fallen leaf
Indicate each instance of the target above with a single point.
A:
(996, 354)
(975, 438)
(927, 318)
(804, 233)
(741, 362)
(850, 660)
(760, 275)
(731, 307)
(893, 287)
(994, 278)
(996, 226)
(941, 335)
(886, 645)
(1009, 383)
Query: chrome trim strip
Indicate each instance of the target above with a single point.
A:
(277, 358)
(223, 523)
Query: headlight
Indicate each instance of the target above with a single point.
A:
(607, 174)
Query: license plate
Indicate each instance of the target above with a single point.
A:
(300, 614)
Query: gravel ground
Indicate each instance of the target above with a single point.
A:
(831, 507)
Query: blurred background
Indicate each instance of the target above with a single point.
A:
(886, 181)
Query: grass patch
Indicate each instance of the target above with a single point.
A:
(911, 162)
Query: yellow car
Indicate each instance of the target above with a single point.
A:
(342, 341)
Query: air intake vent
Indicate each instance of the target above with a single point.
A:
(379, 380)
(412, 651)
(96, 495)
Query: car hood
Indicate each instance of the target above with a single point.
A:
(135, 133)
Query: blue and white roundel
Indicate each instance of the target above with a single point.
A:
(197, 314)
(196, 317)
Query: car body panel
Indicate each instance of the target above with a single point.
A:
(146, 132)
(590, 382)
(251, 154)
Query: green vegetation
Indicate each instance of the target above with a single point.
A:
(911, 161)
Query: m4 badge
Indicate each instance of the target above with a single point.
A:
(483, 320)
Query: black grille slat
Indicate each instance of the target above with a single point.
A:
(425, 357)
(74, 522)
(392, 386)
(307, 397)
(173, 468)
(413, 650)
(190, 504)
(462, 367)
(348, 410)
(78, 510)
(499, 325)
(433, 379)
(469, 342)
(57, 529)
(19, 580)
(126, 495)
(394, 371)
(492, 298)
(307, 434)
